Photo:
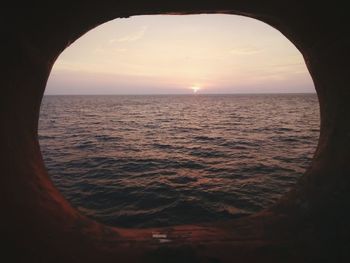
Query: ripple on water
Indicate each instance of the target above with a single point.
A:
(145, 161)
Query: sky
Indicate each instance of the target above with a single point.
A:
(170, 54)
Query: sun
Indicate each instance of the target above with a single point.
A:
(195, 89)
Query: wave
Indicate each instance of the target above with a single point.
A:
(146, 161)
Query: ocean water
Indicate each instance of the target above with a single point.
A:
(146, 161)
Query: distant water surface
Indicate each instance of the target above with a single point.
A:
(144, 161)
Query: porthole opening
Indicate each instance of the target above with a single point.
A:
(167, 120)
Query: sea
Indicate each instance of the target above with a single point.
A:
(161, 160)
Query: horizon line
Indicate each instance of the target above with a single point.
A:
(167, 94)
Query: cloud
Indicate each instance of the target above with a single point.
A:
(119, 50)
(131, 37)
(104, 51)
(245, 51)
